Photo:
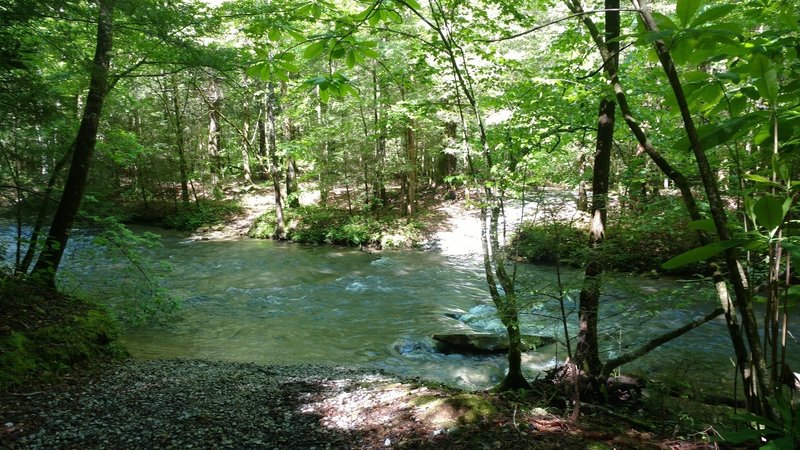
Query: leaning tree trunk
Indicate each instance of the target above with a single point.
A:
(47, 265)
(761, 388)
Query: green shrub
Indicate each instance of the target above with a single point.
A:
(319, 225)
(551, 243)
(635, 241)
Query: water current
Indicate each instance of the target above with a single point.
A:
(282, 303)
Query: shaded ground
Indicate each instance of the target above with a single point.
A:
(187, 403)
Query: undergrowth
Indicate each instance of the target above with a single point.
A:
(45, 333)
(206, 214)
(318, 225)
(635, 240)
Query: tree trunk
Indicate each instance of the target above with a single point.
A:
(445, 160)
(25, 264)
(183, 167)
(379, 187)
(587, 356)
(275, 168)
(411, 153)
(47, 265)
(215, 135)
(291, 165)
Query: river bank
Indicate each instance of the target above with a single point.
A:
(200, 404)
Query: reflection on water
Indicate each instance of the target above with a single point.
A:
(279, 303)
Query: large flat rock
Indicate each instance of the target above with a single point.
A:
(485, 342)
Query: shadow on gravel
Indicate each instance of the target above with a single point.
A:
(180, 404)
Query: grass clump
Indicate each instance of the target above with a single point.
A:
(45, 333)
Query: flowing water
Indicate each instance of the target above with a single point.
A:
(281, 303)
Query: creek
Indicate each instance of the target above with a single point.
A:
(283, 303)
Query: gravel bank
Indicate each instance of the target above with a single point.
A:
(189, 404)
(185, 404)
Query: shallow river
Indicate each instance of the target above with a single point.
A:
(280, 303)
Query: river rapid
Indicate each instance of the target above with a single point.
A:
(283, 303)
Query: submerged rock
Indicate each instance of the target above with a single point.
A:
(484, 342)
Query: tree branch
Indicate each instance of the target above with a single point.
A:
(656, 342)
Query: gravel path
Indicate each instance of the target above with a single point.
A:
(190, 404)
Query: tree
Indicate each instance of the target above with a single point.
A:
(58, 236)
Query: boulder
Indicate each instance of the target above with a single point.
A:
(484, 342)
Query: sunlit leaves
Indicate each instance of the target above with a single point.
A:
(712, 13)
(352, 50)
(686, 9)
(277, 67)
(765, 76)
(336, 85)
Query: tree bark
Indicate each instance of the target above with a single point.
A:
(411, 154)
(291, 165)
(275, 168)
(47, 265)
(587, 356)
(214, 134)
(183, 167)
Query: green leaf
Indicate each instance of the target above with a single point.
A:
(663, 22)
(338, 52)
(763, 70)
(716, 134)
(748, 208)
(370, 53)
(374, 19)
(394, 17)
(413, 4)
(701, 253)
(274, 35)
(685, 10)
(298, 36)
(762, 180)
(350, 60)
(769, 212)
(289, 67)
(730, 76)
(314, 50)
(712, 13)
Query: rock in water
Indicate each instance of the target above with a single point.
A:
(484, 342)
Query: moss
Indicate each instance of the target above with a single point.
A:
(53, 334)
(458, 409)
(472, 408)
